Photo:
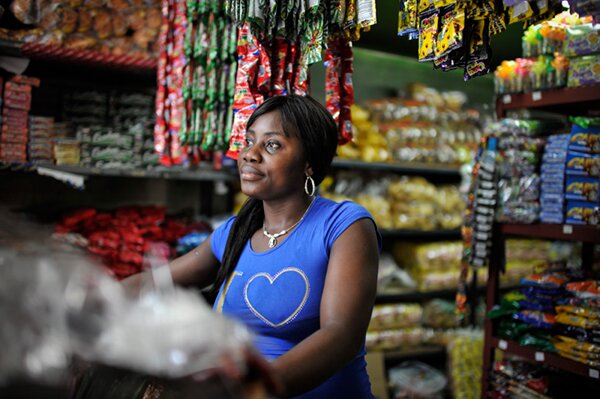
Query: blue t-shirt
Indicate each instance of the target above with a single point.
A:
(277, 293)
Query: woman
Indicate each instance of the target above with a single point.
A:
(298, 269)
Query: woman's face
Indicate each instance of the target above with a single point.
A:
(271, 164)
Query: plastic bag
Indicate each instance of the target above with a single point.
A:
(56, 303)
(417, 378)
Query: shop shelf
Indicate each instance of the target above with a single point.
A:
(550, 359)
(416, 351)
(564, 232)
(410, 234)
(561, 100)
(411, 168)
(419, 296)
(202, 173)
(414, 296)
(78, 56)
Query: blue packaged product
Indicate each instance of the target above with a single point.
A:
(585, 139)
(552, 208)
(583, 164)
(582, 212)
(558, 138)
(547, 195)
(582, 188)
(551, 217)
(553, 180)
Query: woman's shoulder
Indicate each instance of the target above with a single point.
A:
(328, 207)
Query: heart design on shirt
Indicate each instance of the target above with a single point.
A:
(278, 299)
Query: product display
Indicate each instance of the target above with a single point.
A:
(16, 103)
(465, 364)
(556, 56)
(430, 127)
(433, 266)
(122, 238)
(518, 379)
(399, 202)
(276, 44)
(108, 27)
(457, 34)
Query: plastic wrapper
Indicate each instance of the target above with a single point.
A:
(414, 378)
(465, 363)
(439, 313)
(398, 338)
(57, 303)
(536, 318)
(386, 317)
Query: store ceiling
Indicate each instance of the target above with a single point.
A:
(383, 36)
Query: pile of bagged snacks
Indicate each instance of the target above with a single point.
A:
(117, 27)
(400, 202)
(430, 127)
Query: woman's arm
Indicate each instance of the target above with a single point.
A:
(196, 268)
(346, 306)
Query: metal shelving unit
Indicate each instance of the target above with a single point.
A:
(409, 168)
(588, 235)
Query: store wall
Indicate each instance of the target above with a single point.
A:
(378, 75)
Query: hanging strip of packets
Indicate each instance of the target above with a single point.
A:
(209, 76)
(456, 34)
(277, 42)
(196, 80)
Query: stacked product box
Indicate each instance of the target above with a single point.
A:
(111, 147)
(583, 173)
(41, 140)
(66, 151)
(552, 196)
(15, 112)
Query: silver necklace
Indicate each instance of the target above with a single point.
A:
(273, 237)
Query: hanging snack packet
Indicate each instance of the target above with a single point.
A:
(347, 94)
(408, 22)
(452, 25)
(244, 102)
(479, 51)
(366, 14)
(279, 67)
(427, 34)
(332, 81)
(519, 12)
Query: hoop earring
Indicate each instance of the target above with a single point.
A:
(313, 186)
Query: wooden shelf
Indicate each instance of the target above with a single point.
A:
(409, 168)
(419, 296)
(564, 232)
(422, 234)
(550, 359)
(414, 296)
(76, 175)
(202, 173)
(79, 57)
(560, 100)
(417, 351)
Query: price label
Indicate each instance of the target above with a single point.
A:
(567, 229)
(536, 96)
(539, 356)
(506, 99)
(594, 373)
(502, 344)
